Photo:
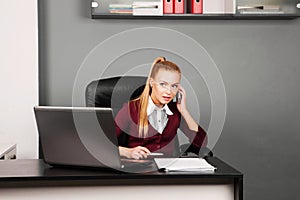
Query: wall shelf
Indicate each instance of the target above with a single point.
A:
(199, 17)
(289, 9)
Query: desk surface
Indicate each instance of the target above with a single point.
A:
(37, 171)
(20, 174)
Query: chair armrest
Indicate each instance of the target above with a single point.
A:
(205, 152)
(188, 148)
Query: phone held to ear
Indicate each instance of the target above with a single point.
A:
(178, 97)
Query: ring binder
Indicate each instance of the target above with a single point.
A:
(196, 6)
(179, 6)
(168, 6)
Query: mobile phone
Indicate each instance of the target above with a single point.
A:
(178, 97)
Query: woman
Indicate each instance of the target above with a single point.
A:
(152, 120)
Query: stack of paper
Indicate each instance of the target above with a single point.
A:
(183, 164)
(260, 9)
(120, 8)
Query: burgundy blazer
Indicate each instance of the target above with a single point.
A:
(127, 121)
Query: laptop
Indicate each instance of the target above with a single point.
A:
(82, 137)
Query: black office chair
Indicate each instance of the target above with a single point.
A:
(114, 92)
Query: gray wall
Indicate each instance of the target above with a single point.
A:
(259, 64)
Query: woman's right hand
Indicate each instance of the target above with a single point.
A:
(138, 152)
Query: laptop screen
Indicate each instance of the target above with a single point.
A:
(78, 136)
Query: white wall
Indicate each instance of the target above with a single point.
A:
(19, 75)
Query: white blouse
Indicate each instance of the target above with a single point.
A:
(158, 116)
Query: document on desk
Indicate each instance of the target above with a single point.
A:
(183, 164)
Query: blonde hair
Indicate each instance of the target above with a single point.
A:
(158, 63)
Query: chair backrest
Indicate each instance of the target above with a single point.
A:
(114, 92)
